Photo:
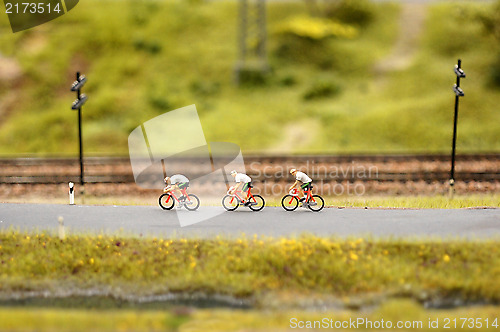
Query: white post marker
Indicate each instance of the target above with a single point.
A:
(71, 193)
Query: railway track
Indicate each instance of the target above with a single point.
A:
(351, 168)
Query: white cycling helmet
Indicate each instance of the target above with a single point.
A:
(233, 172)
(293, 170)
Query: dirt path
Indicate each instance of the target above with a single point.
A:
(10, 72)
(296, 136)
(411, 24)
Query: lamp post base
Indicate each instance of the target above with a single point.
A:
(452, 189)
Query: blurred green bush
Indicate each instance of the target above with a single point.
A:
(316, 28)
(322, 89)
(147, 45)
(307, 40)
(357, 12)
(495, 72)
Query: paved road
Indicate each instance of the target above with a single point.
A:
(152, 221)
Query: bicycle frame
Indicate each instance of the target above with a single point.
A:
(235, 195)
(295, 193)
(172, 194)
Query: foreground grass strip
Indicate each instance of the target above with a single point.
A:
(420, 202)
(405, 312)
(81, 320)
(406, 202)
(250, 267)
(491, 200)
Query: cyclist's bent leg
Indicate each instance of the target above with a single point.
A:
(301, 192)
(181, 187)
(174, 190)
(305, 187)
(246, 188)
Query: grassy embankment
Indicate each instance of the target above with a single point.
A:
(281, 276)
(252, 267)
(151, 57)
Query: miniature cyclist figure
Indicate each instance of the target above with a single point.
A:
(242, 178)
(175, 183)
(304, 181)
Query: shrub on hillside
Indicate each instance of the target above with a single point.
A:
(495, 72)
(322, 89)
(308, 39)
(149, 46)
(357, 12)
(204, 87)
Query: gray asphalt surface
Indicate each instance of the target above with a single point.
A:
(272, 221)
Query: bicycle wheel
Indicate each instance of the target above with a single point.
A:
(166, 202)
(230, 203)
(289, 202)
(193, 203)
(257, 203)
(316, 203)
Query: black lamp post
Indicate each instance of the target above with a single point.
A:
(77, 105)
(458, 93)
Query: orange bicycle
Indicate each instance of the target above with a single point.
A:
(230, 202)
(291, 201)
(190, 201)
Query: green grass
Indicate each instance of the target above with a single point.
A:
(151, 57)
(40, 319)
(414, 202)
(419, 202)
(413, 109)
(255, 268)
(402, 202)
(285, 278)
(227, 320)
